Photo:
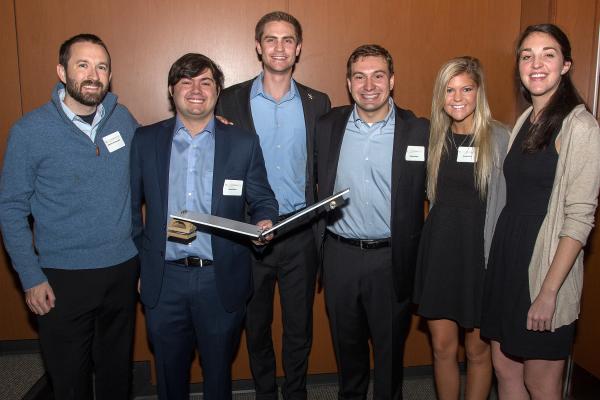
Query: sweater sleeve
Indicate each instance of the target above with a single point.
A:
(16, 190)
(583, 179)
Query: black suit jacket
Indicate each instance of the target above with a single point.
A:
(237, 156)
(408, 185)
(234, 104)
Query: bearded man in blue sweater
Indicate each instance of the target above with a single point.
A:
(67, 166)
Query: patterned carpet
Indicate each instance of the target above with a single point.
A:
(18, 374)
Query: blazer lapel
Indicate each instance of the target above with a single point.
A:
(218, 167)
(398, 155)
(164, 139)
(244, 106)
(338, 129)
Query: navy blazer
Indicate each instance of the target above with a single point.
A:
(237, 156)
(408, 185)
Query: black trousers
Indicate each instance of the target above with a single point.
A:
(362, 306)
(90, 329)
(291, 261)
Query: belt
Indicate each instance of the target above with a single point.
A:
(366, 244)
(285, 216)
(191, 261)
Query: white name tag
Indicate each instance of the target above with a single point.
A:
(114, 141)
(415, 153)
(467, 154)
(232, 187)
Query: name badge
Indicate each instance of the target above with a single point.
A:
(415, 153)
(114, 141)
(232, 187)
(467, 154)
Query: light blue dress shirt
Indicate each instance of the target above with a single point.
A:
(89, 130)
(190, 184)
(282, 132)
(365, 166)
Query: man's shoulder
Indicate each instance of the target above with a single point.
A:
(237, 89)
(337, 113)
(234, 132)
(310, 91)
(412, 120)
(40, 116)
(159, 126)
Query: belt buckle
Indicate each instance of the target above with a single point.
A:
(192, 261)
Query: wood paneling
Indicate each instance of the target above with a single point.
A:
(146, 36)
(581, 25)
(14, 318)
(420, 35)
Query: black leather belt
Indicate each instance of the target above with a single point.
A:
(192, 261)
(366, 244)
(285, 216)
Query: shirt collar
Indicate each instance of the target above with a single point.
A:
(390, 116)
(258, 89)
(74, 117)
(180, 128)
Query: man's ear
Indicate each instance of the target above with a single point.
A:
(258, 48)
(62, 75)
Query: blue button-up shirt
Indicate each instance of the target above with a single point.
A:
(89, 130)
(282, 132)
(190, 184)
(365, 166)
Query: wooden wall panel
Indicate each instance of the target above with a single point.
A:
(146, 36)
(581, 25)
(420, 35)
(14, 318)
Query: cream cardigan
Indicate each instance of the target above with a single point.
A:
(570, 209)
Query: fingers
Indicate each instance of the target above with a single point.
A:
(40, 299)
(538, 322)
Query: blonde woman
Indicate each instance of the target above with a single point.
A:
(535, 274)
(466, 190)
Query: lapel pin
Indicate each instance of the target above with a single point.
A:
(310, 96)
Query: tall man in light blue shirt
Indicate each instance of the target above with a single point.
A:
(283, 113)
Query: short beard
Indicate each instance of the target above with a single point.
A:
(91, 99)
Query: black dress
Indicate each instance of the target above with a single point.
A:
(529, 178)
(450, 265)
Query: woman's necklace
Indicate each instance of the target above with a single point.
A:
(467, 136)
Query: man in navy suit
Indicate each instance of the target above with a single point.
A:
(196, 293)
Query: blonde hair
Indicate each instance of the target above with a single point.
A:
(441, 122)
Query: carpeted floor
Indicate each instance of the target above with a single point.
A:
(18, 374)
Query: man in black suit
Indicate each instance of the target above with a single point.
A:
(379, 151)
(283, 113)
(195, 294)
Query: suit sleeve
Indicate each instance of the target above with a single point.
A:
(261, 199)
(137, 190)
(16, 189)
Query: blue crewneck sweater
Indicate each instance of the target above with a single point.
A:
(76, 190)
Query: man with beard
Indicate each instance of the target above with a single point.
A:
(67, 166)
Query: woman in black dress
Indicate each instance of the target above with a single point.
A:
(465, 188)
(552, 170)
